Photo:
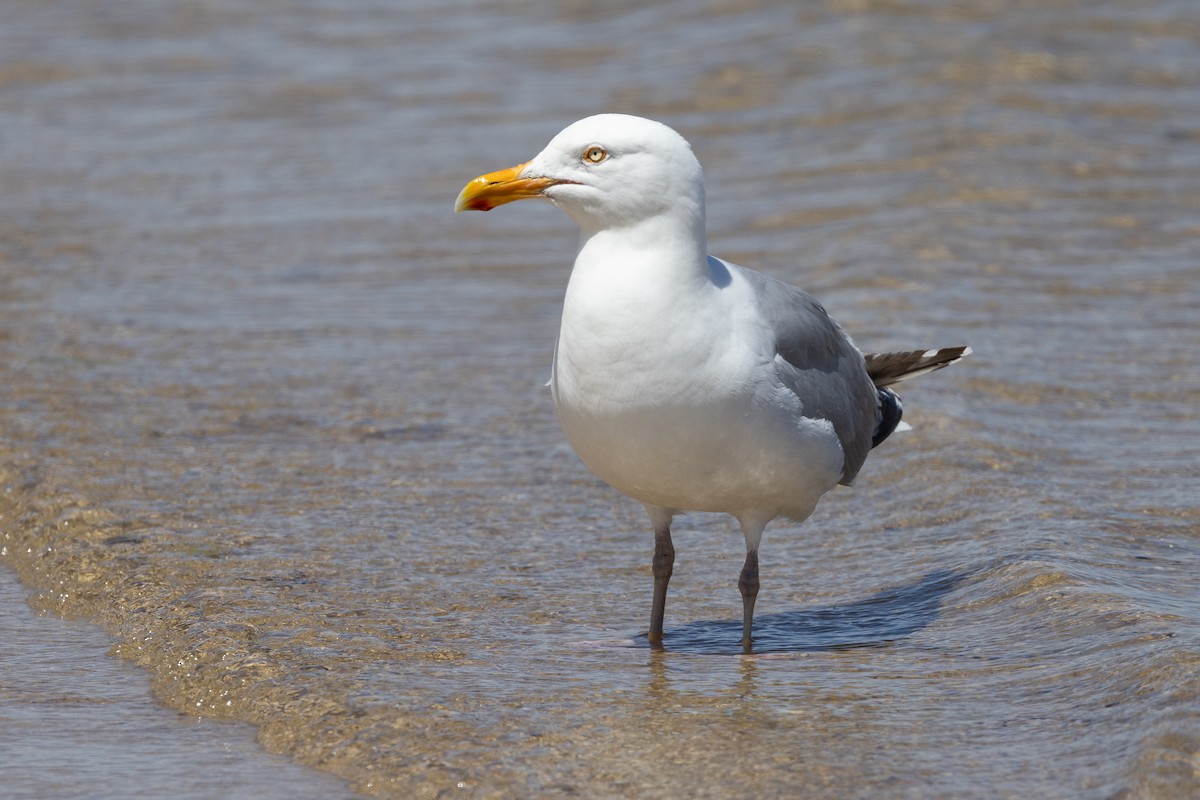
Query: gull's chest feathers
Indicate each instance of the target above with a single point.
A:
(666, 390)
(631, 337)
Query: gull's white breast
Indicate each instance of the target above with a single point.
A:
(665, 385)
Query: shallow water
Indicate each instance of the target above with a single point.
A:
(76, 723)
(275, 417)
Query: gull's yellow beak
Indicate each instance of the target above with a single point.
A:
(497, 188)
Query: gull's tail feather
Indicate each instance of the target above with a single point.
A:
(886, 369)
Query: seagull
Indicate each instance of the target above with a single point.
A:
(685, 381)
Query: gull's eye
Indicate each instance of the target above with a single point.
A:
(595, 154)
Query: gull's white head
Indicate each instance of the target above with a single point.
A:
(606, 171)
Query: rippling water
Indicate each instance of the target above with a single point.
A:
(275, 417)
(75, 723)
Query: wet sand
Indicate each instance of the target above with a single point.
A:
(75, 722)
(275, 418)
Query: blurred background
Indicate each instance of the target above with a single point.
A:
(275, 417)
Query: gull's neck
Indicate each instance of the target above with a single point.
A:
(672, 245)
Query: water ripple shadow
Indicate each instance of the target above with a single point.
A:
(877, 621)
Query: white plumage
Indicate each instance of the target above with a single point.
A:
(684, 381)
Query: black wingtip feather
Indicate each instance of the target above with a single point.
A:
(891, 411)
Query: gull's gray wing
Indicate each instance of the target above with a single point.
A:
(817, 361)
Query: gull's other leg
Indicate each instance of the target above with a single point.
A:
(752, 528)
(663, 566)
(748, 586)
